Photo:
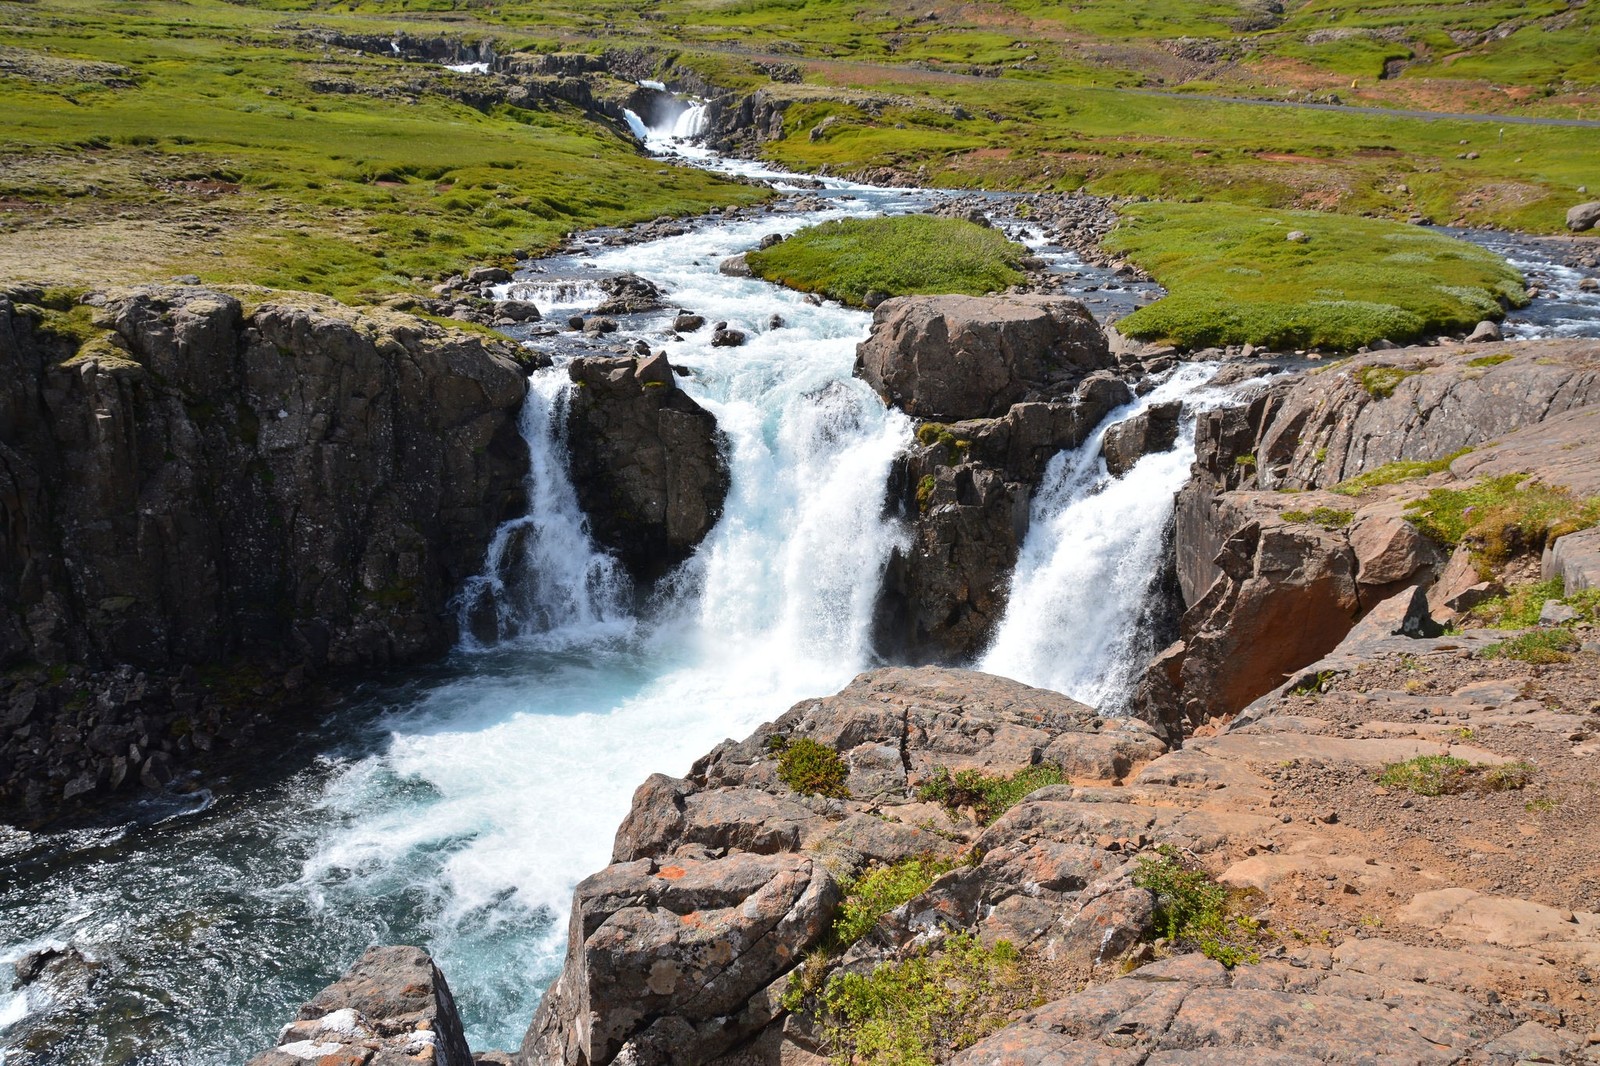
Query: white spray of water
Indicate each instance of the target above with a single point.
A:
(1083, 575)
(543, 577)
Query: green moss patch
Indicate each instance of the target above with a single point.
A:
(1501, 517)
(1326, 517)
(902, 255)
(1396, 472)
(1234, 278)
(812, 769)
(988, 795)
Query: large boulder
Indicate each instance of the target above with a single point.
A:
(955, 357)
(627, 294)
(392, 1006)
(647, 461)
(1583, 216)
(1155, 429)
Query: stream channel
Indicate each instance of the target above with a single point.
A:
(457, 807)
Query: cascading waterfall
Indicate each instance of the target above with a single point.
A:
(543, 577)
(1094, 546)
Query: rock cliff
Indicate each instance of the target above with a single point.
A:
(203, 478)
(1275, 570)
(1347, 914)
(648, 461)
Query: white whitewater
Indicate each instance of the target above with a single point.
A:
(1084, 574)
(543, 579)
(502, 787)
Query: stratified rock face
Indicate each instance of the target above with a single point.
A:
(647, 461)
(392, 1006)
(1274, 579)
(955, 357)
(723, 880)
(964, 490)
(195, 482)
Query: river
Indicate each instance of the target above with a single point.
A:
(456, 807)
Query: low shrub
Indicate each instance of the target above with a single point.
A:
(988, 795)
(1194, 911)
(878, 890)
(812, 769)
(924, 1009)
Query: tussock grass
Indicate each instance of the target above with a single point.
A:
(989, 795)
(901, 255)
(1502, 517)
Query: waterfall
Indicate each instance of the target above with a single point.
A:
(685, 122)
(1092, 552)
(543, 577)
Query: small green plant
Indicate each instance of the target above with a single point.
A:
(988, 795)
(1446, 775)
(1427, 775)
(1194, 911)
(925, 489)
(1313, 685)
(1247, 459)
(875, 892)
(1381, 381)
(1539, 646)
(1490, 360)
(812, 769)
(1326, 517)
(924, 1009)
(1541, 805)
(1396, 472)
(1501, 517)
(1518, 607)
(1509, 777)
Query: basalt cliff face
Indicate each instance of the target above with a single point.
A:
(191, 482)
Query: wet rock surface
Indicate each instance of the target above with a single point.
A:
(647, 460)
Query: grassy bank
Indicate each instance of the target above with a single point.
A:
(206, 138)
(899, 256)
(1234, 278)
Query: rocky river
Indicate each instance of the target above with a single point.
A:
(457, 806)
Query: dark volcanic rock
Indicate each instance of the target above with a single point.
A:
(647, 461)
(954, 357)
(1152, 430)
(192, 483)
(964, 489)
(392, 1006)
